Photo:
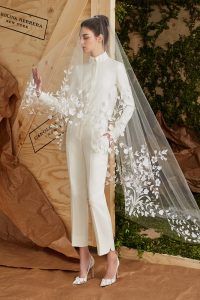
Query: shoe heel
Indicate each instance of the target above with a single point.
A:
(117, 274)
(92, 272)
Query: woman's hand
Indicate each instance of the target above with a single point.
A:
(111, 141)
(37, 78)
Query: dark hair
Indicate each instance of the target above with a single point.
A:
(99, 25)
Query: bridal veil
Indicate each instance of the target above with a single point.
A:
(156, 193)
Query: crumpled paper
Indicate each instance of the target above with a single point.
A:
(26, 215)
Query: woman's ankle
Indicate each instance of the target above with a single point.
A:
(112, 255)
(84, 251)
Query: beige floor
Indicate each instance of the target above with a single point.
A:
(44, 274)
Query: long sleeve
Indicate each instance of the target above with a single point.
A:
(54, 104)
(127, 102)
(64, 101)
(48, 100)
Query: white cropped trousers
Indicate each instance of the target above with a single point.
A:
(87, 174)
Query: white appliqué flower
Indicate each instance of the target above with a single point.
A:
(139, 175)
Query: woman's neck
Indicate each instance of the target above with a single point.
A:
(97, 53)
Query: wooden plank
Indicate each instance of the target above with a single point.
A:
(49, 165)
(64, 27)
(159, 258)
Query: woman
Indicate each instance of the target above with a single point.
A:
(87, 167)
(114, 114)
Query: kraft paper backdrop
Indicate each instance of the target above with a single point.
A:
(137, 280)
(37, 260)
(26, 215)
(186, 147)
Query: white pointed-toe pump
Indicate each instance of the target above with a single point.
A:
(80, 280)
(109, 281)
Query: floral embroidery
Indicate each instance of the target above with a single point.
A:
(139, 176)
(101, 145)
(68, 104)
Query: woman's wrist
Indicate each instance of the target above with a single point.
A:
(38, 92)
(110, 136)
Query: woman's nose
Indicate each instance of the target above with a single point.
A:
(82, 42)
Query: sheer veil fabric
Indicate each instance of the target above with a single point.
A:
(104, 92)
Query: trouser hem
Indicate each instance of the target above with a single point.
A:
(80, 244)
(103, 252)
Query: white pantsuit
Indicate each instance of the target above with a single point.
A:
(87, 148)
(87, 173)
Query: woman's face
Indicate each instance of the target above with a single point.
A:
(89, 42)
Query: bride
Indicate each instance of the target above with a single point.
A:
(106, 111)
(87, 165)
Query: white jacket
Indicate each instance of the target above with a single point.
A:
(99, 84)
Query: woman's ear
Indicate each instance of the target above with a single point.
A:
(100, 38)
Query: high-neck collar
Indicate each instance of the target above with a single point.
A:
(101, 57)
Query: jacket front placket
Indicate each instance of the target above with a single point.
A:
(93, 68)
